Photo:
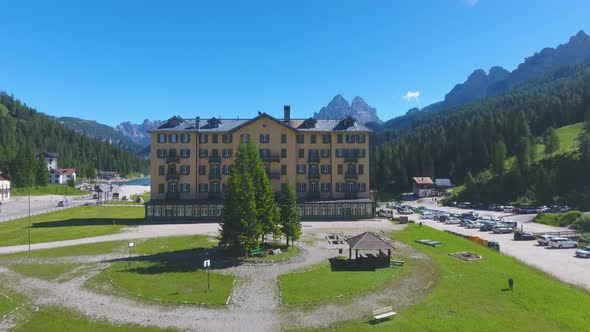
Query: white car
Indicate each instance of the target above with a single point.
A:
(584, 252)
(561, 242)
(427, 216)
(452, 221)
(544, 239)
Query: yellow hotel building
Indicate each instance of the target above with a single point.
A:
(326, 162)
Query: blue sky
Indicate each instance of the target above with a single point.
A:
(115, 61)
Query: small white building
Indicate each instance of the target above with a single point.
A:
(50, 159)
(62, 175)
(4, 188)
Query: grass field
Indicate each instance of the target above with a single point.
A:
(285, 254)
(471, 296)
(146, 197)
(322, 282)
(50, 189)
(42, 271)
(8, 302)
(74, 223)
(54, 319)
(567, 140)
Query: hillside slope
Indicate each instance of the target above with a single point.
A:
(101, 132)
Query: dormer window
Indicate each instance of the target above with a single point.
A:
(309, 123)
(213, 123)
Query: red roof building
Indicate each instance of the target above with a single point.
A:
(423, 186)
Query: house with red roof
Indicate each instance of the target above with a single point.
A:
(4, 187)
(62, 175)
(423, 186)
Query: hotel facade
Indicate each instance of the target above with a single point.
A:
(325, 161)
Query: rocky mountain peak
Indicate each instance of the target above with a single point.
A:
(339, 107)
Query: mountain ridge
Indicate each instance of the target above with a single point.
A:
(339, 107)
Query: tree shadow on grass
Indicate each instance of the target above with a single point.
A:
(89, 222)
(337, 264)
(179, 261)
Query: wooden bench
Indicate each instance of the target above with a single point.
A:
(396, 263)
(256, 251)
(383, 313)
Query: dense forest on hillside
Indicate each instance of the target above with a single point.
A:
(474, 137)
(24, 131)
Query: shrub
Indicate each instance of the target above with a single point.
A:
(558, 219)
(582, 223)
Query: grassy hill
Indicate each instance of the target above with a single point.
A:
(100, 131)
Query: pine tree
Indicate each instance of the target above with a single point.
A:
(42, 174)
(499, 157)
(551, 141)
(290, 218)
(543, 192)
(24, 167)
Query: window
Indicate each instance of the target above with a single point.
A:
(214, 138)
(185, 153)
(340, 169)
(361, 169)
(339, 138)
(300, 139)
(301, 153)
(185, 169)
(325, 169)
(325, 153)
(283, 169)
(326, 187)
(339, 153)
(226, 153)
(173, 138)
(339, 187)
(203, 138)
(226, 169)
(215, 152)
(227, 138)
(245, 138)
(161, 188)
(215, 187)
(203, 153)
(185, 138)
(264, 138)
(326, 139)
(172, 152)
(313, 139)
(283, 138)
(161, 170)
(264, 153)
(162, 138)
(283, 153)
(171, 187)
(203, 187)
(313, 187)
(171, 169)
(360, 138)
(350, 187)
(300, 169)
(162, 153)
(361, 187)
(313, 169)
(301, 187)
(202, 170)
(361, 153)
(349, 138)
(185, 187)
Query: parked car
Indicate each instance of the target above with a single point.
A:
(452, 221)
(508, 209)
(427, 215)
(473, 224)
(542, 209)
(544, 239)
(562, 242)
(405, 211)
(565, 208)
(511, 224)
(501, 230)
(584, 252)
(524, 236)
(487, 226)
(63, 203)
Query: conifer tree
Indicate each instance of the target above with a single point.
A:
(42, 174)
(290, 218)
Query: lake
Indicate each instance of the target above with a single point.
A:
(137, 182)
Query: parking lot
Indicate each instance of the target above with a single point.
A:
(560, 263)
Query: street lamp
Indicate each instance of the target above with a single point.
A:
(29, 190)
(130, 245)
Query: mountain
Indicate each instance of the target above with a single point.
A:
(138, 132)
(498, 80)
(339, 107)
(101, 132)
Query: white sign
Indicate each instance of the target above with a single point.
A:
(207, 263)
(131, 244)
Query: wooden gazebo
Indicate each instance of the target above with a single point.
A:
(369, 241)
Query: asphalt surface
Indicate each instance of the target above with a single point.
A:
(18, 207)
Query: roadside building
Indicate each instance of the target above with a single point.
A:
(107, 175)
(62, 175)
(442, 185)
(325, 161)
(4, 187)
(50, 159)
(423, 187)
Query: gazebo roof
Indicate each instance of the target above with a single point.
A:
(368, 241)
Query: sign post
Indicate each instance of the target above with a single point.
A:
(131, 244)
(207, 264)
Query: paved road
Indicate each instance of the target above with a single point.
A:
(560, 263)
(18, 207)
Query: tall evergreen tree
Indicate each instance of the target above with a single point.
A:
(290, 218)
(499, 157)
(24, 167)
(543, 192)
(42, 174)
(551, 141)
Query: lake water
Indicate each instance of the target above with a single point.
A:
(137, 182)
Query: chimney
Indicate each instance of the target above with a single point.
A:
(287, 113)
(197, 122)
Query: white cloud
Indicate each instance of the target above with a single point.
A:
(412, 95)
(471, 3)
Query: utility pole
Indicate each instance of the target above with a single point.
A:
(29, 213)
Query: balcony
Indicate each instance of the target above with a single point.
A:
(351, 176)
(269, 158)
(274, 175)
(313, 195)
(172, 158)
(313, 175)
(172, 196)
(215, 196)
(350, 158)
(313, 158)
(214, 176)
(173, 176)
(214, 159)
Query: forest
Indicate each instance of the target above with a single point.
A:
(472, 142)
(24, 132)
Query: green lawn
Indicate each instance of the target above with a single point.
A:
(286, 253)
(8, 302)
(470, 295)
(98, 248)
(54, 319)
(50, 189)
(42, 271)
(74, 223)
(320, 283)
(146, 197)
